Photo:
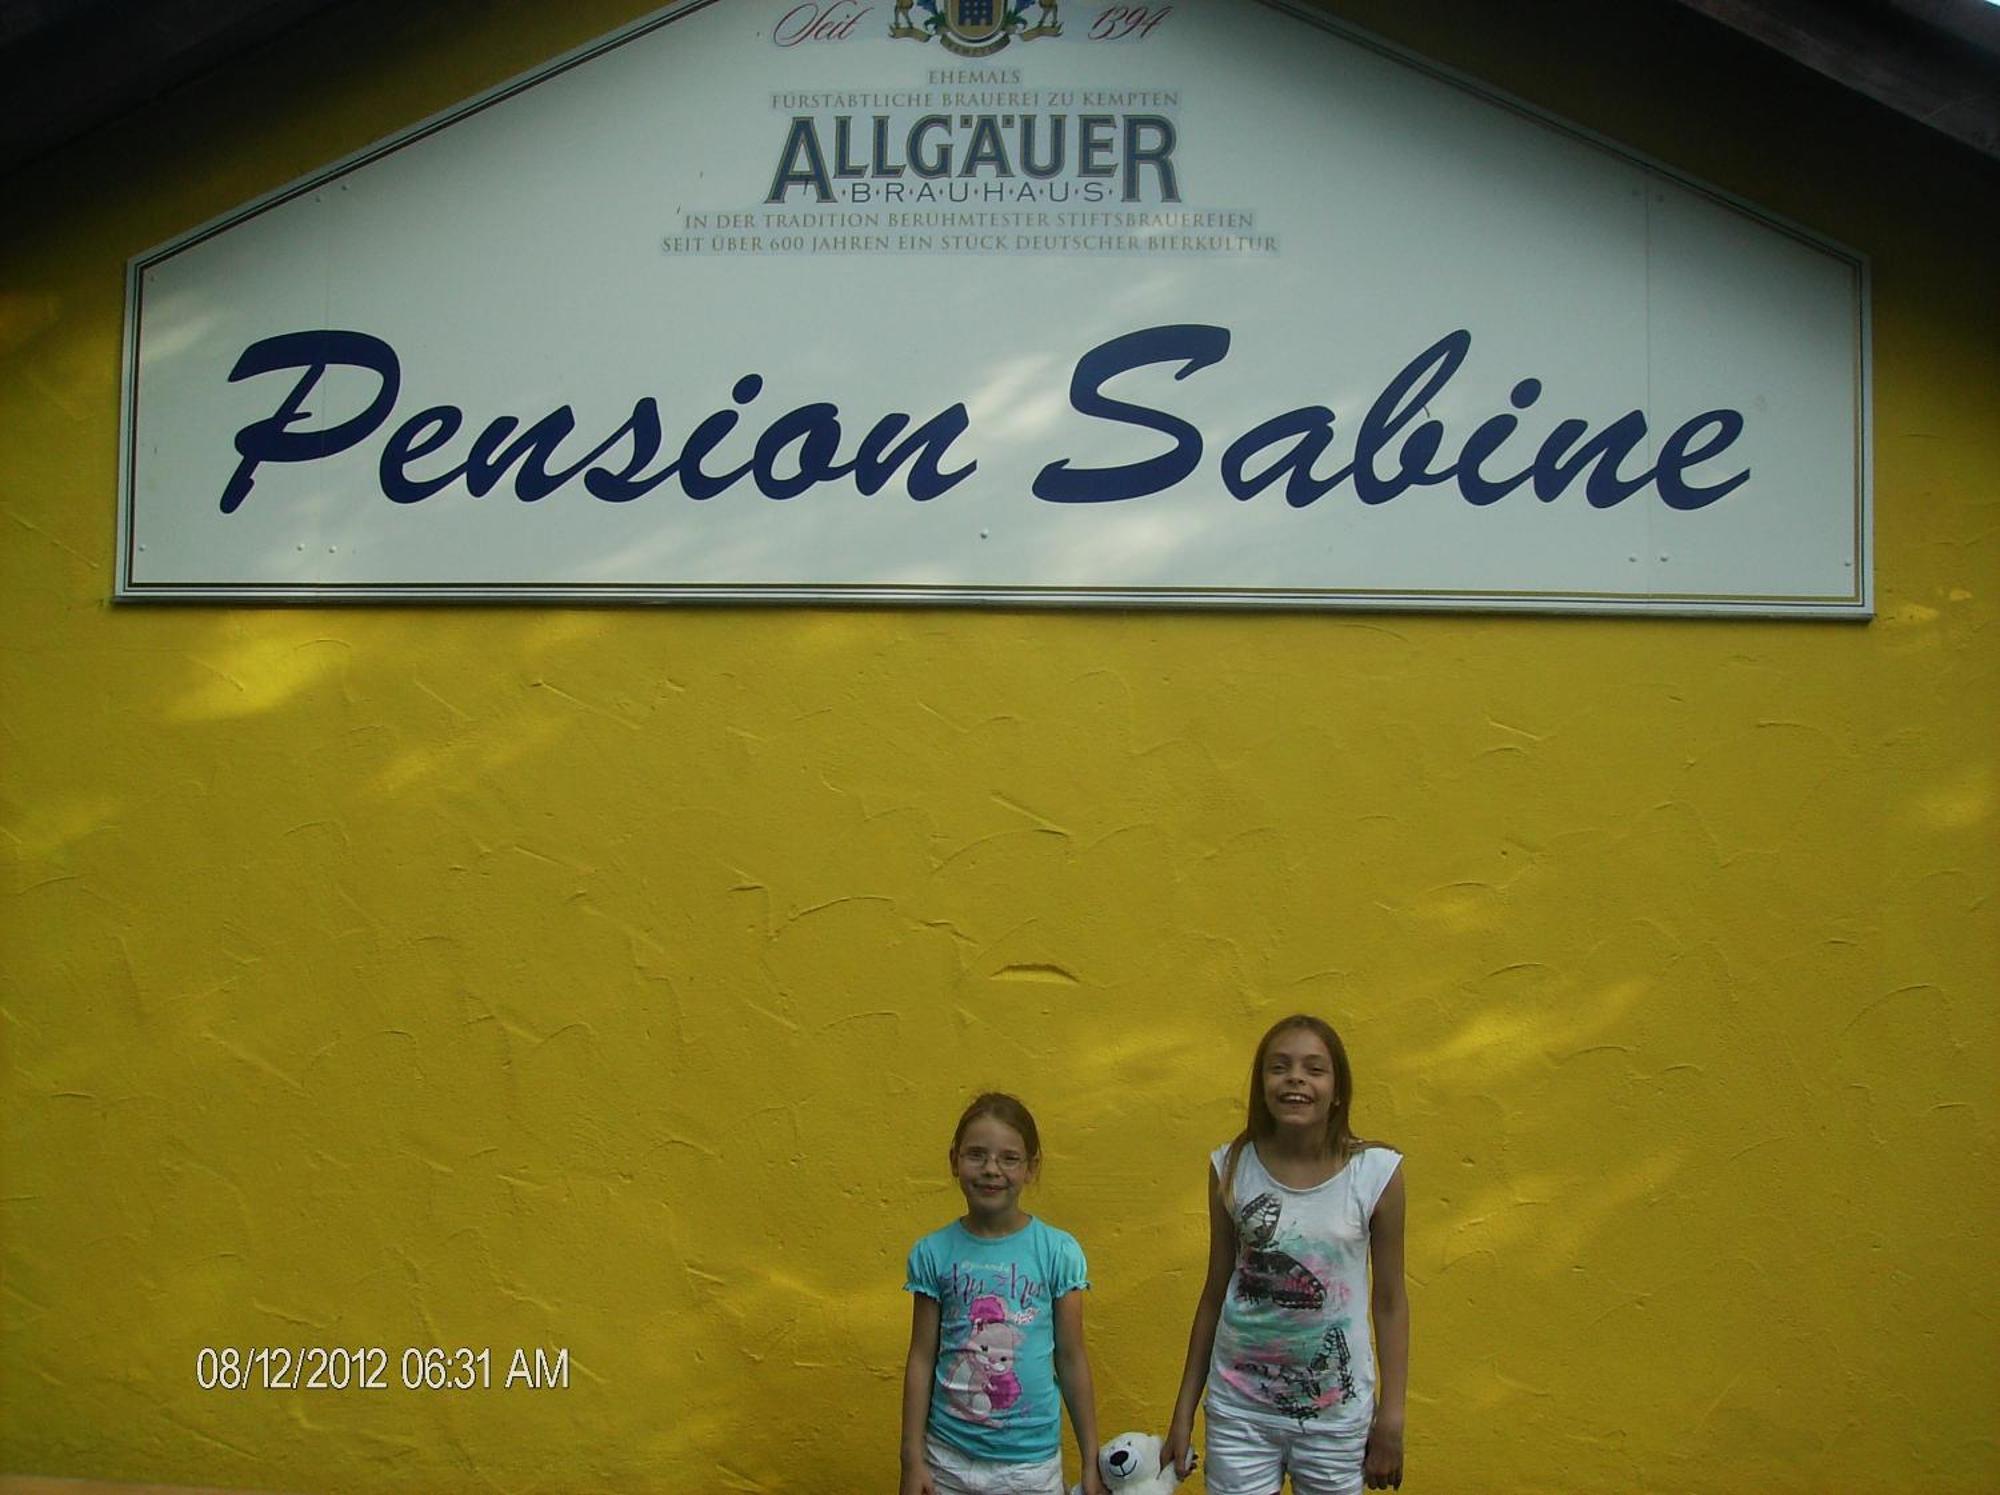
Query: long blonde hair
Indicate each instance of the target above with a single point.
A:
(1259, 1123)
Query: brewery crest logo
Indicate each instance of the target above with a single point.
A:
(973, 28)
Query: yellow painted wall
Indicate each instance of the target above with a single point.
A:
(609, 980)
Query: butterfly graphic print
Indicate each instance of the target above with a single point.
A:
(1265, 1274)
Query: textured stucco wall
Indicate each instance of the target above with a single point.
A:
(608, 980)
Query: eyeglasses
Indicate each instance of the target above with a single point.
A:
(979, 1157)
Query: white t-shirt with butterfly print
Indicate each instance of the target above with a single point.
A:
(1294, 1344)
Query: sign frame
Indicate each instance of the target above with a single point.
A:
(1857, 604)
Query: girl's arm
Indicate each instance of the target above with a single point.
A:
(1201, 1337)
(1079, 1395)
(917, 1375)
(1390, 1300)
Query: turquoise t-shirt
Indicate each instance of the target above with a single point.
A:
(994, 1393)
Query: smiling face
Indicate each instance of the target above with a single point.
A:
(992, 1165)
(1298, 1081)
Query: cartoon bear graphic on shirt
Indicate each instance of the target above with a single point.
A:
(980, 1381)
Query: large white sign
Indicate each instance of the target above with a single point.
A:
(1193, 303)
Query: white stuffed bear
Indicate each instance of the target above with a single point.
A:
(1130, 1464)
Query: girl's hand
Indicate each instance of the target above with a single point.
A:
(1178, 1455)
(917, 1480)
(1093, 1481)
(1382, 1468)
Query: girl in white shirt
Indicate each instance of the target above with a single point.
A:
(1305, 1296)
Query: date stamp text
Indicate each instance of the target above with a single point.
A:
(380, 1368)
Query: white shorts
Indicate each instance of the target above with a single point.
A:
(955, 1473)
(1246, 1457)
